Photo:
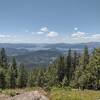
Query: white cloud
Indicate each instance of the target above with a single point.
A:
(40, 32)
(7, 38)
(97, 36)
(47, 32)
(75, 28)
(4, 36)
(78, 35)
(85, 37)
(52, 34)
(44, 29)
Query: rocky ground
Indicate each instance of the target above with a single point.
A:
(33, 95)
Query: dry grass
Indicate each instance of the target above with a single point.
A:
(59, 93)
(62, 94)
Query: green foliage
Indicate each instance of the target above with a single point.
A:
(10, 92)
(14, 67)
(3, 59)
(40, 78)
(69, 66)
(75, 70)
(51, 75)
(22, 77)
(32, 78)
(10, 78)
(0, 90)
(2, 79)
(85, 57)
(65, 81)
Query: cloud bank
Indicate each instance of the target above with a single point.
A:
(47, 32)
(46, 35)
(85, 37)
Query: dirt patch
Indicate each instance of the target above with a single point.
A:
(33, 95)
(4, 97)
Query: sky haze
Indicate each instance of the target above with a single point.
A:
(49, 21)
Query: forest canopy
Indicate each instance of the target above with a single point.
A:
(76, 70)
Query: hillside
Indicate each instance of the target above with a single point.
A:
(33, 55)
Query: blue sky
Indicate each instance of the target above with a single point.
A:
(49, 21)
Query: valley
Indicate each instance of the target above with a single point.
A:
(36, 55)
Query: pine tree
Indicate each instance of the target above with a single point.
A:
(51, 75)
(85, 57)
(11, 75)
(2, 78)
(3, 59)
(14, 67)
(40, 78)
(80, 79)
(32, 78)
(10, 78)
(3, 68)
(69, 66)
(94, 69)
(75, 63)
(60, 68)
(75, 60)
(22, 77)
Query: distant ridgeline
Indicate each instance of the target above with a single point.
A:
(74, 69)
(33, 55)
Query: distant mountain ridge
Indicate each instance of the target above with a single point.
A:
(48, 45)
(33, 55)
(19, 49)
